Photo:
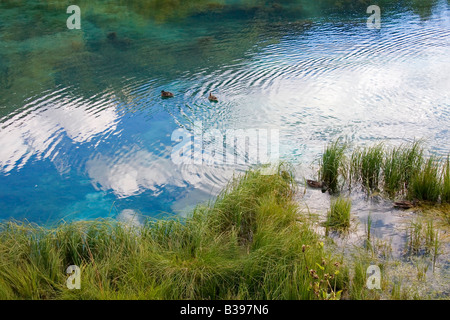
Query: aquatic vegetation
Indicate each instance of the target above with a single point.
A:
(412, 160)
(397, 165)
(432, 241)
(426, 184)
(399, 169)
(366, 165)
(445, 196)
(332, 164)
(338, 217)
(368, 242)
(248, 244)
(392, 172)
(400, 165)
(400, 291)
(422, 268)
(415, 236)
(423, 238)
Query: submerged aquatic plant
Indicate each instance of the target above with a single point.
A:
(415, 236)
(423, 238)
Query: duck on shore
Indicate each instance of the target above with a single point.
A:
(166, 94)
(317, 185)
(212, 98)
(405, 204)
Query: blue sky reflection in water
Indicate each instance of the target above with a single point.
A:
(85, 134)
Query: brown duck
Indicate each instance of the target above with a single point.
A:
(317, 185)
(405, 204)
(212, 98)
(166, 94)
(314, 184)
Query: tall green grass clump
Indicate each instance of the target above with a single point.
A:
(367, 164)
(332, 164)
(339, 214)
(445, 196)
(413, 159)
(426, 184)
(247, 244)
(393, 173)
(401, 165)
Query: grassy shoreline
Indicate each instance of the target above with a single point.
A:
(251, 243)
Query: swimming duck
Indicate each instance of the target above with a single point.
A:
(166, 94)
(212, 98)
(405, 204)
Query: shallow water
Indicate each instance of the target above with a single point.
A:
(85, 134)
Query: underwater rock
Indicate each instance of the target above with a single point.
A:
(277, 6)
(112, 36)
(118, 42)
(204, 41)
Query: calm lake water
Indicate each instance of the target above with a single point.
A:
(84, 132)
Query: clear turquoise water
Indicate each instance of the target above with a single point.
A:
(85, 134)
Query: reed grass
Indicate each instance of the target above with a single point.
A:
(339, 214)
(415, 236)
(401, 164)
(423, 238)
(412, 158)
(392, 175)
(248, 244)
(367, 164)
(376, 167)
(393, 171)
(445, 196)
(332, 164)
(426, 184)
(400, 169)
